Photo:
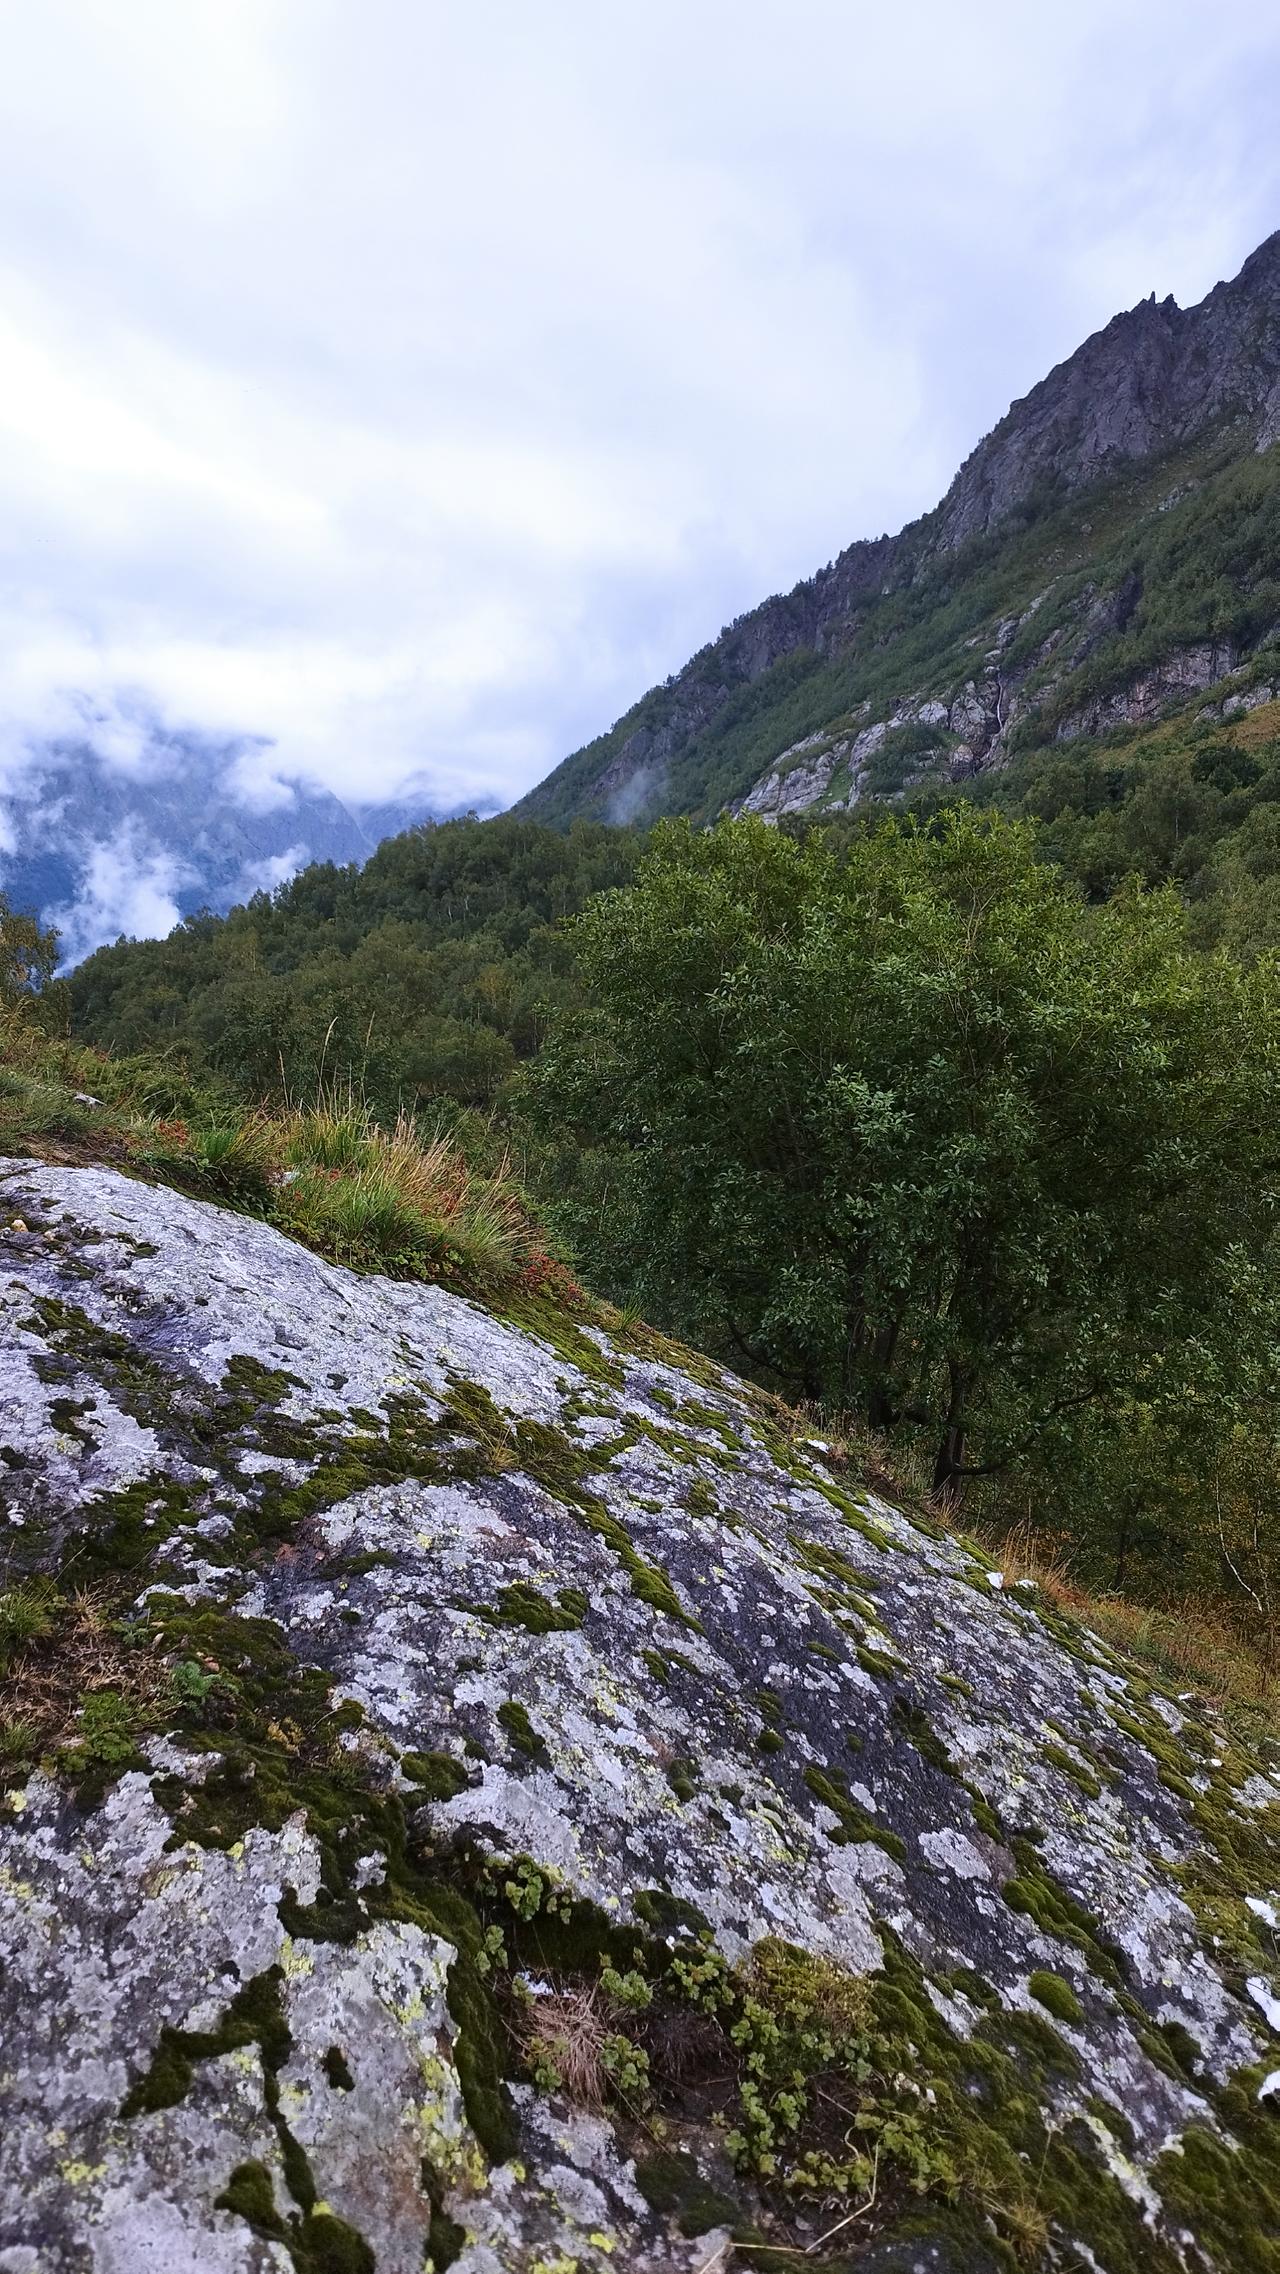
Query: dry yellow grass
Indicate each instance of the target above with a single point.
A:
(1190, 1643)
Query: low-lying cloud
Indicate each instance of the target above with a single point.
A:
(125, 886)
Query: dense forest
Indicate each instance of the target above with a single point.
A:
(424, 977)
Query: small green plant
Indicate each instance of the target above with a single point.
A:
(626, 2064)
(630, 1990)
(19, 1742)
(26, 1616)
(192, 1682)
(104, 1734)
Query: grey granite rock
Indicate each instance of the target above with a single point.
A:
(640, 1640)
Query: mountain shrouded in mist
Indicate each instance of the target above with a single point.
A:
(131, 827)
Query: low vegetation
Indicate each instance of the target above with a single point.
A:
(401, 1199)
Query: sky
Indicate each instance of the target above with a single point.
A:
(391, 391)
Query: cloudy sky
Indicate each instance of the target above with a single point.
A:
(404, 385)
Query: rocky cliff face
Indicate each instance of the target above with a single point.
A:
(484, 1795)
(1157, 382)
(1151, 381)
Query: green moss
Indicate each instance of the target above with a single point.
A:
(1059, 1758)
(438, 1775)
(1038, 1896)
(254, 2016)
(553, 1460)
(250, 2195)
(1057, 1997)
(325, 2244)
(699, 1498)
(515, 1720)
(1228, 2192)
(67, 1416)
(1182, 2046)
(1114, 2121)
(317, 2241)
(975, 1987)
(445, 2240)
(262, 1779)
(985, 1816)
(876, 1662)
(912, 1719)
(521, 1605)
(669, 1914)
(550, 1322)
(957, 1684)
(854, 1823)
(991, 2119)
(846, 1582)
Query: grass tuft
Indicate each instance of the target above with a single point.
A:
(398, 1200)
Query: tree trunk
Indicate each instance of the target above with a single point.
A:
(948, 1468)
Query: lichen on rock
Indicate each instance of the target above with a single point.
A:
(439, 1664)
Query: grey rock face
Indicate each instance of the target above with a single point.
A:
(1154, 378)
(561, 1602)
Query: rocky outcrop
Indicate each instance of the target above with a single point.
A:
(826, 773)
(483, 1794)
(1155, 378)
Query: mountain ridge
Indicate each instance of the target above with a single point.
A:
(1149, 389)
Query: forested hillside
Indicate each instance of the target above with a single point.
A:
(422, 977)
(890, 1111)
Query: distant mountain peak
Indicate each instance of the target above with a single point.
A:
(98, 849)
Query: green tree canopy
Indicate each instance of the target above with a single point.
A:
(921, 1129)
(28, 955)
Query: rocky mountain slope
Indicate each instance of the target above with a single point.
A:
(1109, 551)
(482, 1793)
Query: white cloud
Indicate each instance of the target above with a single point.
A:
(275, 869)
(126, 886)
(398, 391)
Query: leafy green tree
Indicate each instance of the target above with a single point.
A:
(922, 1130)
(28, 954)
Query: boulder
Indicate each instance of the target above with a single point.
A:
(484, 1791)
